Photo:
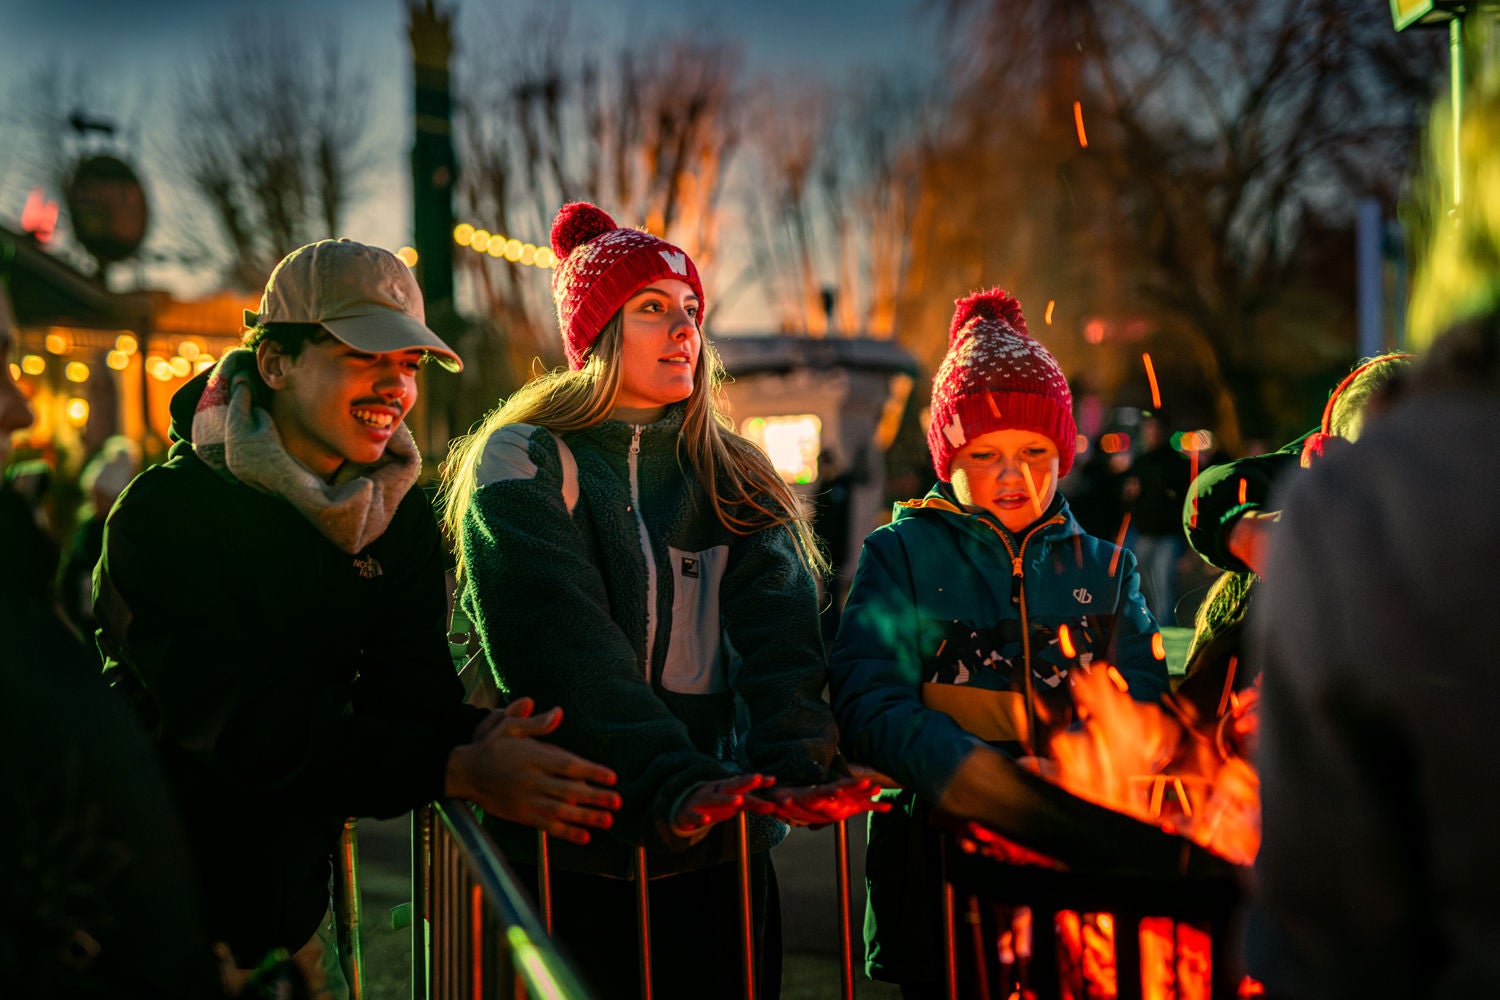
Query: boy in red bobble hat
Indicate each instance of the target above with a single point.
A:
(967, 616)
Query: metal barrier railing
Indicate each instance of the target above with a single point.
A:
(348, 918)
(452, 958)
(474, 933)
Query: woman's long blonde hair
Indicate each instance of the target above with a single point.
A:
(744, 490)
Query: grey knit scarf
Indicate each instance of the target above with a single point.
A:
(238, 440)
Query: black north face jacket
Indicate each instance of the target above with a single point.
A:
(288, 684)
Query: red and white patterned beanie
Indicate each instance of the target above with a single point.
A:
(601, 265)
(995, 377)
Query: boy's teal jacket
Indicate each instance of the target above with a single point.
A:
(680, 651)
(944, 609)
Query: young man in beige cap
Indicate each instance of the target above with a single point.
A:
(272, 600)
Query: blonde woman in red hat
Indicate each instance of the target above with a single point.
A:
(630, 558)
(968, 615)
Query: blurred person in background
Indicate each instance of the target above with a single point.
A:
(94, 901)
(1216, 663)
(103, 479)
(1152, 490)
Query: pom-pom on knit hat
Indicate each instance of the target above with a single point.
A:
(599, 266)
(996, 377)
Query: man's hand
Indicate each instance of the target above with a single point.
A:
(1250, 538)
(715, 801)
(819, 805)
(511, 774)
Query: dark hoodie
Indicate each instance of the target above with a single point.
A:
(287, 684)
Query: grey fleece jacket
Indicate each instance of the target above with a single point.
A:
(680, 651)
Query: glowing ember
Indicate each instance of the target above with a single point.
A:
(1083, 139)
(1151, 377)
(1065, 642)
(1114, 560)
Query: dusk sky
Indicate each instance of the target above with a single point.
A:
(131, 53)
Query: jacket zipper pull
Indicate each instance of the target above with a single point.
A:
(1015, 567)
(635, 441)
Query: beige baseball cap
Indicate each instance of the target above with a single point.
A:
(363, 295)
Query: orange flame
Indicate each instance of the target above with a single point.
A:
(1126, 753)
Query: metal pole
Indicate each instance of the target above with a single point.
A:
(747, 916)
(347, 910)
(1369, 234)
(846, 930)
(1456, 87)
(544, 879)
(421, 906)
(950, 943)
(643, 918)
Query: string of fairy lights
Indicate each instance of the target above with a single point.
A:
(502, 247)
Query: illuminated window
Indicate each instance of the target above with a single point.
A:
(792, 442)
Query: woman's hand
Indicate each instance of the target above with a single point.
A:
(715, 801)
(819, 805)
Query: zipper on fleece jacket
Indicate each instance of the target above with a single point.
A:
(1018, 573)
(646, 550)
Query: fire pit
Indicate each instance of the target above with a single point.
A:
(1019, 924)
(1119, 874)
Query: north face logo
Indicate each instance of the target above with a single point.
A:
(1082, 596)
(676, 261)
(368, 567)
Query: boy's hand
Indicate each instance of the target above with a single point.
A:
(819, 805)
(510, 773)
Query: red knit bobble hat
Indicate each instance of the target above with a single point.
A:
(600, 266)
(995, 377)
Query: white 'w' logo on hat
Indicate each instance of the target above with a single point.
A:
(676, 261)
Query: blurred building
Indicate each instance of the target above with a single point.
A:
(94, 362)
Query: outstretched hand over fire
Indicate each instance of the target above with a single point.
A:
(715, 801)
(819, 805)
